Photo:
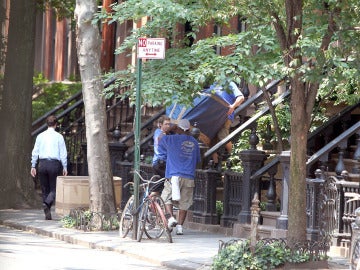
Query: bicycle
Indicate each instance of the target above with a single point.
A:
(152, 218)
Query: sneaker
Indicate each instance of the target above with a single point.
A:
(172, 222)
(47, 212)
(179, 230)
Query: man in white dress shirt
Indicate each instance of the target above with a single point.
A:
(50, 150)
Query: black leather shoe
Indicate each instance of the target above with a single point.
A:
(47, 212)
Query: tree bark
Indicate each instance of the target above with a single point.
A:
(101, 190)
(16, 185)
(297, 185)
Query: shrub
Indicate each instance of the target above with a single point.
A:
(68, 222)
(49, 95)
(238, 256)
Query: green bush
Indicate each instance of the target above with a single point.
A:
(238, 256)
(50, 95)
(68, 222)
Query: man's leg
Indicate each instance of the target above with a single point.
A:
(45, 187)
(169, 209)
(187, 191)
(158, 169)
(182, 216)
(166, 196)
(53, 172)
(228, 147)
(44, 180)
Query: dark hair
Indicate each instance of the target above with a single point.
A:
(163, 118)
(51, 121)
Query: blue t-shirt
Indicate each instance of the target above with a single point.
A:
(228, 95)
(183, 153)
(158, 155)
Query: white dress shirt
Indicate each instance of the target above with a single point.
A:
(49, 145)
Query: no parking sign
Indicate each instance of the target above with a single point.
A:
(151, 48)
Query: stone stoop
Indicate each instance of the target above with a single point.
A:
(340, 251)
(213, 228)
(264, 231)
(267, 228)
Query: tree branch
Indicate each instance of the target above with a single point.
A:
(279, 30)
(332, 26)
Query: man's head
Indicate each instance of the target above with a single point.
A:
(184, 125)
(164, 123)
(51, 121)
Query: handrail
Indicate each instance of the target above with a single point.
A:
(145, 140)
(333, 120)
(145, 125)
(331, 145)
(245, 125)
(258, 95)
(274, 162)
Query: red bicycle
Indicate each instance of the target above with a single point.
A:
(152, 217)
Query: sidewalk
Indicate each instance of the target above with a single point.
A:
(193, 250)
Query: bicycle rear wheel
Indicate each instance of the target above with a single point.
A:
(126, 220)
(142, 219)
(154, 227)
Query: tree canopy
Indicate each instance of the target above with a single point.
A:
(327, 42)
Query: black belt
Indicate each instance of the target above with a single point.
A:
(49, 159)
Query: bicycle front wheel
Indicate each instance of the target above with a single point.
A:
(126, 220)
(142, 219)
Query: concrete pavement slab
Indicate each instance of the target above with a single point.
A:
(193, 250)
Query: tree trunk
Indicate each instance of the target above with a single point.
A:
(297, 185)
(101, 190)
(16, 185)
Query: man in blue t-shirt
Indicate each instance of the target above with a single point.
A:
(183, 154)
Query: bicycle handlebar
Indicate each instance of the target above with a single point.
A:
(146, 182)
(151, 179)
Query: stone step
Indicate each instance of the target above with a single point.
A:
(269, 218)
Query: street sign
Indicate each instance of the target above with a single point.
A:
(151, 48)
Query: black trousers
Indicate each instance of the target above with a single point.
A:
(48, 172)
(159, 169)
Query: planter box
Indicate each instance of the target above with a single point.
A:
(73, 192)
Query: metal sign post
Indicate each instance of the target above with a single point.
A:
(148, 48)
(137, 144)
